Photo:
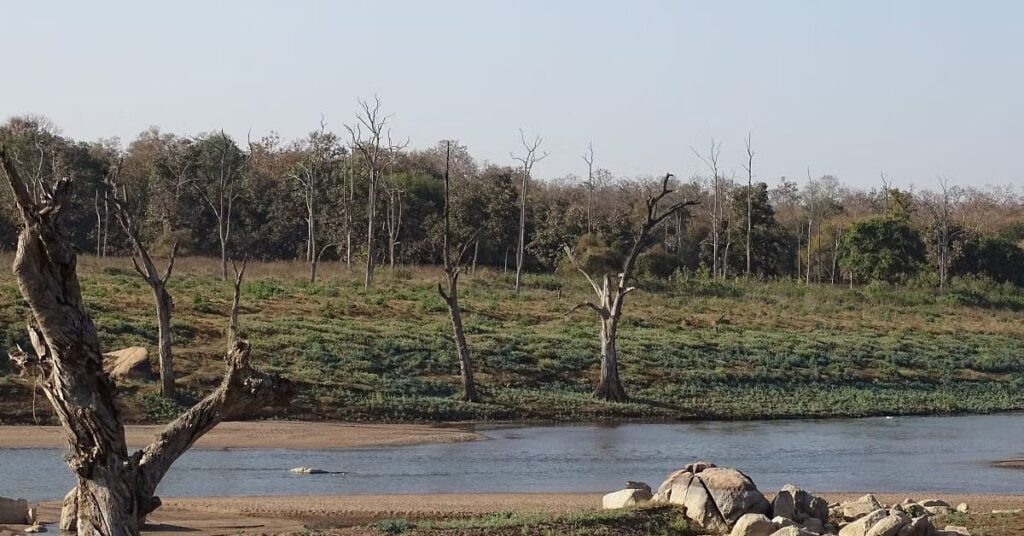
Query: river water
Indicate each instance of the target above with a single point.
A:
(942, 454)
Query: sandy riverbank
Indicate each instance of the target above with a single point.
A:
(266, 434)
(207, 516)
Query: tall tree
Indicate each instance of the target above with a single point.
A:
(452, 269)
(611, 296)
(527, 160)
(372, 139)
(716, 209)
(143, 263)
(588, 157)
(114, 491)
(219, 168)
(749, 167)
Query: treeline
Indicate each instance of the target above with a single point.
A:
(357, 192)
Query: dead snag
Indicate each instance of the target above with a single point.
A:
(236, 302)
(611, 296)
(118, 195)
(114, 491)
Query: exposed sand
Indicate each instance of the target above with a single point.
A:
(266, 434)
(292, 515)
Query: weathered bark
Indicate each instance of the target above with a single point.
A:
(528, 160)
(114, 490)
(236, 303)
(610, 298)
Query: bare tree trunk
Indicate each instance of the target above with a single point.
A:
(236, 302)
(529, 158)
(476, 252)
(371, 209)
(164, 305)
(114, 491)
(750, 202)
(609, 387)
(99, 225)
(521, 245)
(809, 222)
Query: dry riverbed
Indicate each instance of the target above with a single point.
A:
(266, 434)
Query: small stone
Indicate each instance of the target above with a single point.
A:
(962, 531)
(633, 484)
(35, 528)
(888, 526)
(963, 508)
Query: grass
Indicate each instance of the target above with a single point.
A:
(652, 520)
(689, 348)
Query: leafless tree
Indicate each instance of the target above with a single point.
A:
(115, 490)
(588, 157)
(394, 219)
(527, 160)
(611, 296)
(143, 263)
(749, 168)
(236, 302)
(312, 174)
(452, 269)
(220, 187)
(717, 206)
(940, 206)
(372, 139)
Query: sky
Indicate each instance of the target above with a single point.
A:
(914, 89)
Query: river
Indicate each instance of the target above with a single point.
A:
(941, 454)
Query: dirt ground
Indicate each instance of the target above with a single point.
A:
(266, 434)
(208, 516)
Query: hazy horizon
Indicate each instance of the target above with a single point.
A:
(914, 89)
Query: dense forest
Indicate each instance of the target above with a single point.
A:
(357, 195)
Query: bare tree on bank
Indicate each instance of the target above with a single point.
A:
(114, 490)
(612, 296)
(527, 160)
(220, 186)
(715, 210)
(372, 139)
(394, 219)
(157, 282)
(236, 302)
(588, 157)
(312, 174)
(452, 268)
(941, 208)
(749, 168)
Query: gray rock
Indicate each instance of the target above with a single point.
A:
(784, 504)
(963, 508)
(889, 526)
(129, 363)
(14, 511)
(919, 526)
(856, 509)
(793, 531)
(861, 526)
(952, 530)
(35, 529)
(625, 497)
(633, 484)
(715, 497)
(753, 525)
(814, 524)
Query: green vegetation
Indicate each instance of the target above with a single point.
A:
(654, 521)
(690, 348)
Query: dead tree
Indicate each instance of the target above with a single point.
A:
(375, 146)
(610, 297)
(115, 490)
(221, 187)
(236, 302)
(394, 219)
(749, 167)
(716, 208)
(588, 157)
(143, 263)
(452, 268)
(527, 160)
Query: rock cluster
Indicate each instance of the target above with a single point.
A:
(726, 501)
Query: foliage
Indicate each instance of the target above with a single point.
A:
(883, 249)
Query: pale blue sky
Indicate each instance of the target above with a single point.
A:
(916, 89)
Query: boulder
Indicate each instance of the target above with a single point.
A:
(861, 526)
(889, 525)
(14, 511)
(853, 510)
(625, 497)
(130, 363)
(919, 526)
(794, 503)
(952, 530)
(784, 504)
(814, 524)
(938, 510)
(793, 531)
(934, 502)
(714, 497)
(632, 484)
(783, 522)
(753, 525)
